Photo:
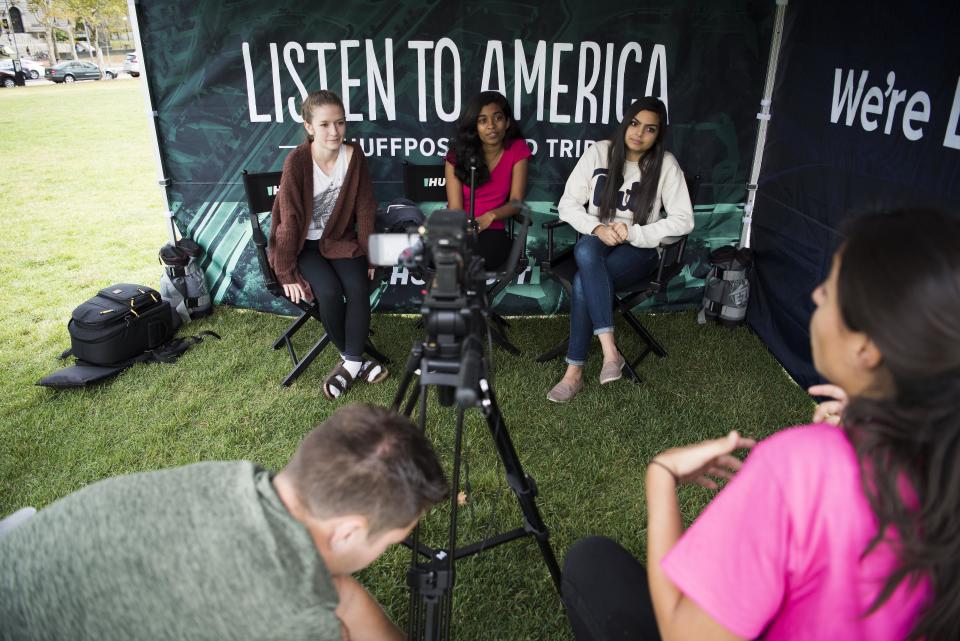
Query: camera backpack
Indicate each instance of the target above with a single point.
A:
(726, 291)
(182, 283)
(399, 216)
(120, 322)
(122, 325)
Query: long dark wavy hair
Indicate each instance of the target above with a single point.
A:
(899, 283)
(466, 141)
(650, 164)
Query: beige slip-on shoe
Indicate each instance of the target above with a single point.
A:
(612, 371)
(563, 391)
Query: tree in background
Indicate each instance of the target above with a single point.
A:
(48, 13)
(69, 13)
(96, 14)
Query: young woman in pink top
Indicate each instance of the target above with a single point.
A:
(825, 532)
(488, 137)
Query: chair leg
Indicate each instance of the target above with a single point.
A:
(377, 355)
(558, 350)
(294, 326)
(501, 339)
(644, 334)
(631, 372)
(499, 320)
(304, 363)
(642, 355)
(499, 286)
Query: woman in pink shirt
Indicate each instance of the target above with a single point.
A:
(489, 139)
(824, 532)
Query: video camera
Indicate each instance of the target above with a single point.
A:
(454, 310)
(443, 252)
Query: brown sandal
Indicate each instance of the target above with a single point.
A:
(367, 370)
(338, 381)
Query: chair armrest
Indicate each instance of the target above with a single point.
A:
(670, 255)
(259, 238)
(260, 246)
(553, 224)
(519, 217)
(522, 261)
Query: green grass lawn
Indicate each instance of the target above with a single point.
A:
(82, 210)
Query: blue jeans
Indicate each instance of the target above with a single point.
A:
(601, 270)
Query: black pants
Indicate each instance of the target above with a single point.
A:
(606, 593)
(494, 245)
(342, 291)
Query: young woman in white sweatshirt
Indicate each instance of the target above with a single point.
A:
(627, 195)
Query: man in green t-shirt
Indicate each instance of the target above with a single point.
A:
(226, 550)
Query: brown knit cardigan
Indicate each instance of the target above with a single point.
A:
(347, 231)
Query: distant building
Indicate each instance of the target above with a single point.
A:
(21, 30)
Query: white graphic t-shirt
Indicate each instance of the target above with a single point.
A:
(326, 190)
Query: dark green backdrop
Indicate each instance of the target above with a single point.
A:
(217, 107)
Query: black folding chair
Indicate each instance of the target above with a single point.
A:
(427, 183)
(261, 189)
(563, 267)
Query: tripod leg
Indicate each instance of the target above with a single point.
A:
(409, 371)
(454, 504)
(431, 583)
(522, 485)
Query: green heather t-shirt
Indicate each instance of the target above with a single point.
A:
(205, 551)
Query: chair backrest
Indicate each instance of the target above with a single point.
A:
(693, 186)
(261, 190)
(424, 183)
(672, 258)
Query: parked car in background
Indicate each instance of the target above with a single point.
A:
(72, 70)
(131, 64)
(7, 78)
(33, 69)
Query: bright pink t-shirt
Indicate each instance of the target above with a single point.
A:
(495, 193)
(778, 552)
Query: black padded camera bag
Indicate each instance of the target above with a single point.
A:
(120, 322)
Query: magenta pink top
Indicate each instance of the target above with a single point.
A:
(777, 554)
(496, 192)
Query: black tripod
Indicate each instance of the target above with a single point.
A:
(458, 369)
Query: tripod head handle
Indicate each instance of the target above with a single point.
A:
(468, 391)
(473, 187)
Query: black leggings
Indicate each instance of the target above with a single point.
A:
(332, 280)
(606, 593)
(494, 245)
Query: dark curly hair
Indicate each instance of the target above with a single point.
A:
(899, 283)
(466, 143)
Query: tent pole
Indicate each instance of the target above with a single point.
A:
(162, 178)
(764, 118)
